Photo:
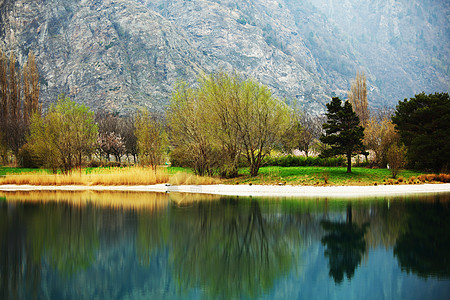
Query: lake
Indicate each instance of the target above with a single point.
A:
(94, 245)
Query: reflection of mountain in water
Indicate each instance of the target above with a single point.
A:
(232, 247)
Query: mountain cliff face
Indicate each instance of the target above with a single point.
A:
(120, 54)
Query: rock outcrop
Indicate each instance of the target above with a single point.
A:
(120, 54)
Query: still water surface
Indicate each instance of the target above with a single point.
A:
(172, 246)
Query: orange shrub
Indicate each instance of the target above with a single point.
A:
(444, 178)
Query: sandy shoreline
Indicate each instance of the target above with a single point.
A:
(254, 190)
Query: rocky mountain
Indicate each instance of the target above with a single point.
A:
(120, 54)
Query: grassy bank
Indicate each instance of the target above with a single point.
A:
(324, 176)
(180, 176)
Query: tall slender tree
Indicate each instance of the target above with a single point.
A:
(16, 132)
(358, 97)
(19, 99)
(4, 95)
(31, 88)
(343, 133)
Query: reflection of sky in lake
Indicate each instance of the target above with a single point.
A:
(180, 251)
(379, 277)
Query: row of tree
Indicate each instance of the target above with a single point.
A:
(216, 127)
(19, 99)
(69, 133)
(417, 132)
(226, 118)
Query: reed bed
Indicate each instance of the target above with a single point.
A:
(108, 177)
(128, 176)
(38, 178)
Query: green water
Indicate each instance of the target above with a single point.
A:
(227, 248)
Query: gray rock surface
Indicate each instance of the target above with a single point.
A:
(120, 54)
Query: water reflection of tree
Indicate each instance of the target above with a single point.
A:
(424, 247)
(387, 221)
(153, 232)
(345, 246)
(64, 235)
(229, 248)
(19, 272)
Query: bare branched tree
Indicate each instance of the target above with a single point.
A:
(358, 98)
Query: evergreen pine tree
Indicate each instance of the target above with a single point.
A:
(342, 131)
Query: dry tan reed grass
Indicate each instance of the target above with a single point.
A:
(111, 176)
(45, 179)
(129, 176)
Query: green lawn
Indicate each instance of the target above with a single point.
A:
(317, 175)
(9, 170)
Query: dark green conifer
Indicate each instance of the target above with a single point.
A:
(343, 133)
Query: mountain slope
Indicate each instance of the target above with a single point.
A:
(126, 53)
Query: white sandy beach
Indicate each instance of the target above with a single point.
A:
(255, 190)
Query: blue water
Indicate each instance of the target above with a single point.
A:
(226, 248)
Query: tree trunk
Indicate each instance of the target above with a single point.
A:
(349, 163)
(254, 168)
(349, 214)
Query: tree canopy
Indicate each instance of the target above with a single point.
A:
(423, 123)
(224, 119)
(151, 139)
(343, 133)
(64, 135)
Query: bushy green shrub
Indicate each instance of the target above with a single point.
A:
(302, 161)
(26, 158)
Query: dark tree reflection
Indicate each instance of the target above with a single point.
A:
(424, 247)
(230, 248)
(64, 235)
(345, 246)
(19, 271)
